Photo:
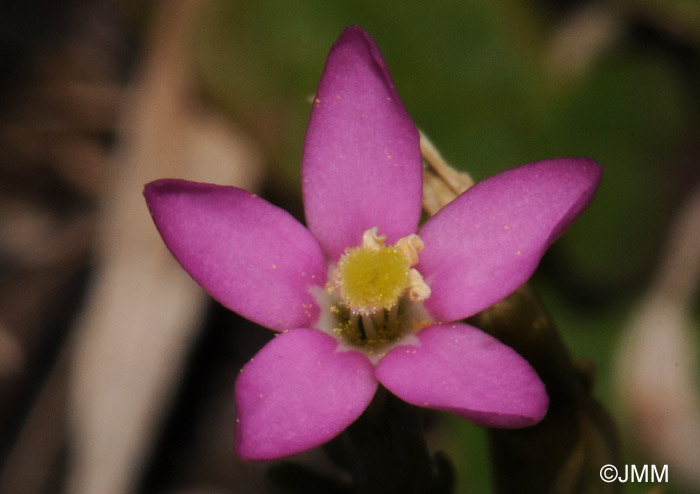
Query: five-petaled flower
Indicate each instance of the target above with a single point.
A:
(364, 295)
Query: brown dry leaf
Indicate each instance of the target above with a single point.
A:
(441, 182)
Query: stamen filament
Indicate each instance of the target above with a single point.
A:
(368, 325)
(378, 319)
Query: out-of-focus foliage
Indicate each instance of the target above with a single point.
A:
(679, 17)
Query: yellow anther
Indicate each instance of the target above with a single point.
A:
(418, 289)
(410, 246)
(372, 240)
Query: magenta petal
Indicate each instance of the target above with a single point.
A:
(461, 369)
(488, 241)
(251, 256)
(298, 392)
(362, 163)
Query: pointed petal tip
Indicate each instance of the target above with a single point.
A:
(585, 174)
(505, 223)
(163, 184)
(362, 164)
(577, 177)
(152, 189)
(533, 413)
(354, 31)
(164, 189)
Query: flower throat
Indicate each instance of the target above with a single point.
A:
(375, 290)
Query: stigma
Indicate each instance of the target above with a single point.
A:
(373, 277)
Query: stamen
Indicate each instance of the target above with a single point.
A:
(393, 313)
(372, 278)
(378, 319)
(368, 325)
(410, 246)
(418, 289)
(372, 240)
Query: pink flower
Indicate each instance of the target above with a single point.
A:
(364, 295)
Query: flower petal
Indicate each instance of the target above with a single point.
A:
(461, 369)
(251, 256)
(298, 392)
(488, 241)
(362, 163)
